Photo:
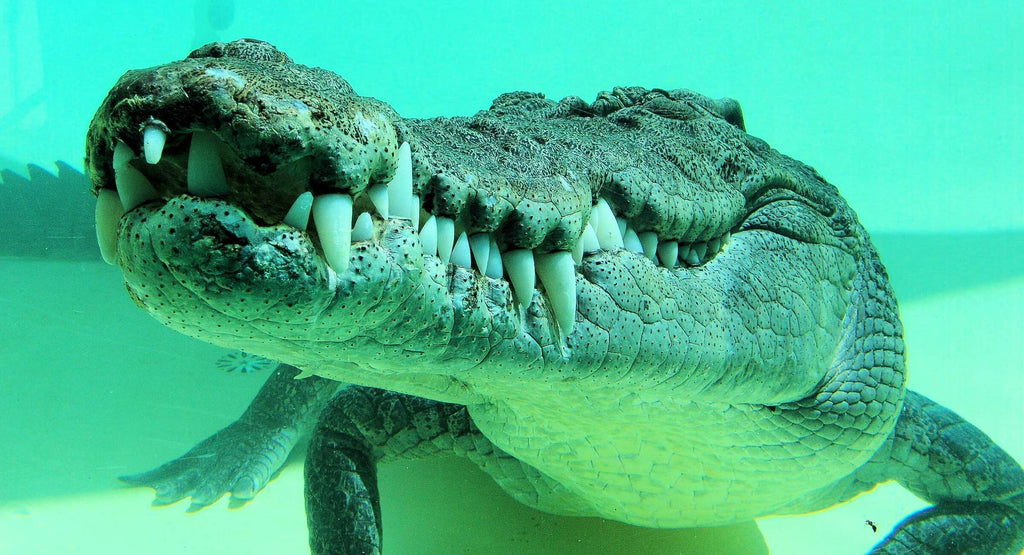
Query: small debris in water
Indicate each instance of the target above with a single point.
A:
(243, 362)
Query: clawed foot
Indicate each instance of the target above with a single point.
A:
(239, 459)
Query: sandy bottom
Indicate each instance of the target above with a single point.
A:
(92, 388)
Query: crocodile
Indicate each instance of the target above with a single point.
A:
(628, 309)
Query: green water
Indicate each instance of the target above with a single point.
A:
(913, 111)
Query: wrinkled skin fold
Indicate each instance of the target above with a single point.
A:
(628, 309)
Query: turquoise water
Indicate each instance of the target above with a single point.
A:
(912, 111)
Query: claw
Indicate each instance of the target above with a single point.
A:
(241, 458)
(245, 489)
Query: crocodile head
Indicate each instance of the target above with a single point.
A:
(644, 236)
(642, 244)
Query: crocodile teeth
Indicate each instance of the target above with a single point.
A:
(521, 273)
(589, 239)
(587, 244)
(445, 238)
(108, 214)
(691, 258)
(133, 188)
(417, 205)
(684, 253)
(298, 214)
(332, 214)
(428, 237)
(400, 189)
(379, 197)
(363, 228)
(632, 242)
(558, 276)
(607, 227)
(701, 249)
(205, 172)
(649, 240)
(668, 251)
(153, 140)
(122, 155)
(494, 266)
(480, 245)
(714, 245)
(461, 254)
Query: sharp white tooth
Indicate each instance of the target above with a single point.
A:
(494, 268)
(400, 188)
(649, 240)
(691, 258)
(205, 171)
(122, 155)
(108, 214)
(684, 253)
(445, 238)
(428, 237)
(577, 252)
(132, 187)
(521, 273)
(667, 253)
(460, 254)
(558, 276)
(714, 245)
(632, 242)
(416, 211)
(379, 197)
(332, 215)
(153, 140)
(363, 228)
(589, 239)
(480, 245)
(298, 214)
(701, 249)
(622, 227)
(607, 227)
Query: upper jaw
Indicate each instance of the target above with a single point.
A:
(239, 122)
(265, 118)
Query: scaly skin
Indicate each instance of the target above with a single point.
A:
(765, 376)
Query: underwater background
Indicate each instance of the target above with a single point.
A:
(913, 109)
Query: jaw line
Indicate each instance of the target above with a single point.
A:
(221, 253)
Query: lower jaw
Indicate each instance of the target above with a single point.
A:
(206, 237)
(202, 267)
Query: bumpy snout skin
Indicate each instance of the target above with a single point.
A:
(269, 112)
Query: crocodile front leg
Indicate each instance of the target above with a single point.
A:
(361, 427)
(977, 489)
(242, 457)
